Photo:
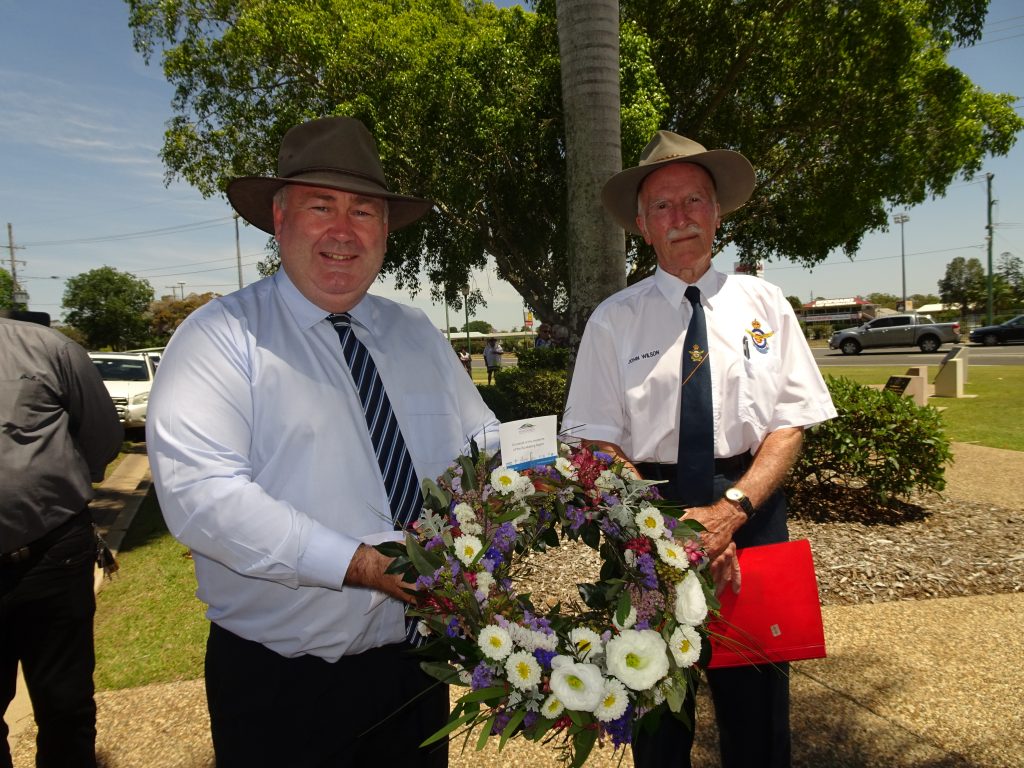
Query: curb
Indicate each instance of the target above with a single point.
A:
(117, 500)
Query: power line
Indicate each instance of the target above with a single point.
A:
(134, 235)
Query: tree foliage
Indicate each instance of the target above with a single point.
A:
(167, 313)
(845, 109)
(109, 307)
(6, 290)
(964, 284)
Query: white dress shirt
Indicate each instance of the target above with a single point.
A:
(626, 384)
(263, 463)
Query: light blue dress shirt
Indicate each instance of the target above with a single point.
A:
(263, 464)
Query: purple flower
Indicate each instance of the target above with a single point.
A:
(452, 630)
(610, 528)
(645, 564)
(530, 719)
(670, 522)
(495, 556)
(482, 677)
(576, 517)
(504, 537)
(621, 730)
(602, 456)
(500, 721)
(544, 657)
(487, 564)
(425, 582)
(435, 543)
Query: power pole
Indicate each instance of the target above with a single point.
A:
(238, 253)
(14, 267)
(901, 219)
(991, 202)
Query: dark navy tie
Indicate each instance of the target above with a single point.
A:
(695, 466)
(400, 481)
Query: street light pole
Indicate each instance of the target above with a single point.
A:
(901, 219)
(238, 253)
(465, 301)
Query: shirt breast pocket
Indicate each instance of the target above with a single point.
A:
(429, 422)
(759, 382)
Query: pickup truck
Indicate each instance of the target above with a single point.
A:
(896, 331)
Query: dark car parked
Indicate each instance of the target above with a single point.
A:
(990, 335)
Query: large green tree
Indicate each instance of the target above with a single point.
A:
(846, 109)
(109, 307)
(964, 284)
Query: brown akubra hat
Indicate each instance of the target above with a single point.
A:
(732, 173)
(332, 152)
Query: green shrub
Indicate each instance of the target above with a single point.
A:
(881, 442)
(521, 394)
(544, 359)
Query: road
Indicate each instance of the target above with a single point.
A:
(1010, 354)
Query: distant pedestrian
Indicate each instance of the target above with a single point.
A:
(492, 357)
(543, 340)
(58, 432)
(467, 360)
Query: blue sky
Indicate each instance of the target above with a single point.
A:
(82, 123)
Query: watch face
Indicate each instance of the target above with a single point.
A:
(734, 494)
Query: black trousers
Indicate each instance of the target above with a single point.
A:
(751, 703)
(47, 606)
(373, 708)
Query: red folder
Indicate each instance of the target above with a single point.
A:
(777, 614)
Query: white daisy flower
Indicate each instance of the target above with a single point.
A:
(671, 553)
(484, 582)
(464, 514)
(494, 642)
(467, 547)
(552, 708)
(565, 468)
(650, 522)
(691, 605)
(685, 646)
(524, 487)
(638, 658)
(578, 686)
(522, 670)
(629, 622)
(586, 642)
(504, 480)
(614, 701)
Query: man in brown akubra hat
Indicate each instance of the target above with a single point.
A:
(702, 380)
(288, 430)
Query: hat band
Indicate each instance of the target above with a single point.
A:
(340, 171)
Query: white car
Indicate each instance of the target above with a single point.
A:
(129, 378)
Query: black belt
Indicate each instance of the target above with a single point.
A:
(44, 542)
(733, 465)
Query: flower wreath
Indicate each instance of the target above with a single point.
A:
(587, 674)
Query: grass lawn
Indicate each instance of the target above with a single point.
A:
(149, 625)
(993, 417)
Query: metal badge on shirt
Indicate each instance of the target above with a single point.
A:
(759, 336)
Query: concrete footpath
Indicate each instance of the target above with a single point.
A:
(117, 500)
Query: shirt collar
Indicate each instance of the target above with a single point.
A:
(305, 312)
(673, 289)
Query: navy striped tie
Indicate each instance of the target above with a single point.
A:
(400, 481)
(695, 467)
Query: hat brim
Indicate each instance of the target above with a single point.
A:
(732, 173)
(252, 197)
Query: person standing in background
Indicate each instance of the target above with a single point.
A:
(58, 432)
